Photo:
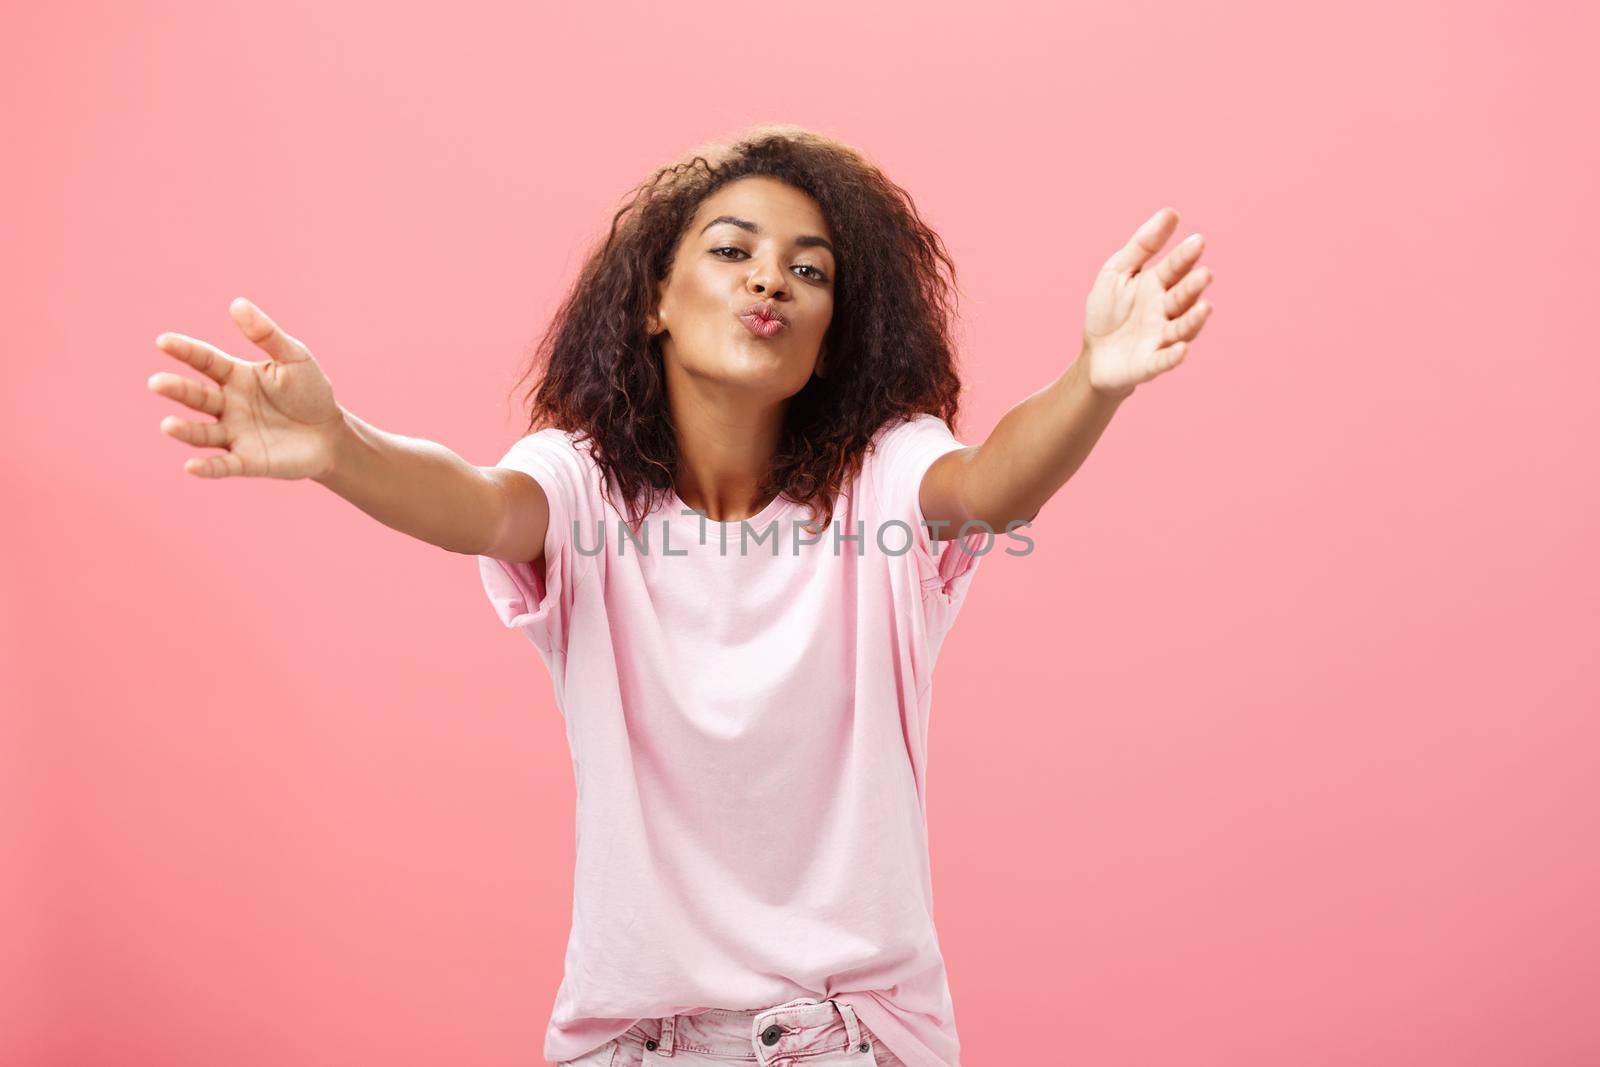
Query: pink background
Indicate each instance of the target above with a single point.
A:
(1280, 749)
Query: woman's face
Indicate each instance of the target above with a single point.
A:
(755, 240)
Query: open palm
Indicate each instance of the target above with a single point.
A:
(1138, 322)
(275, 419)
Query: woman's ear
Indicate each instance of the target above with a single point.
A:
(652, 320)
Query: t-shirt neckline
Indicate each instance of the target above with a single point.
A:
(775, 507)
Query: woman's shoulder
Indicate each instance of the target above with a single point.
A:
(554, 445)
(903, 440)
(561, 461)
(921, 426)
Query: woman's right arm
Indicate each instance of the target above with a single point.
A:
(278, 419)
(422, 488)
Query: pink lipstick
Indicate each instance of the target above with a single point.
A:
(761, 326)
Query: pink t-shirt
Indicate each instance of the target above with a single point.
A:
(749, 738)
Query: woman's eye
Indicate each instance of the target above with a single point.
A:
(817, 276)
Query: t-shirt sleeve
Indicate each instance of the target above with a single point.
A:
(537, 598)
(944, 569)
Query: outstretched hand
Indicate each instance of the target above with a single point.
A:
(1139, 323)
(276, 418)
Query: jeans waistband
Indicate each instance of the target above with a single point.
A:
(803, 1026)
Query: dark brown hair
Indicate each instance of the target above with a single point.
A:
(890, 353)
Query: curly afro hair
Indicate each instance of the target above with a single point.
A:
(890, 349)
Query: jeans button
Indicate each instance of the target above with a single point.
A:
(864, 1047)
(771, 1034)
(650, 1044)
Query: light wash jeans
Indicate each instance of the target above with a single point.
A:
(804, 1032)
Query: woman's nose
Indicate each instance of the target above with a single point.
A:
(766, 280)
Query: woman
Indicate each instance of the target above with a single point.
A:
(724, 532)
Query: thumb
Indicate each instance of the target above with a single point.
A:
(265, 333)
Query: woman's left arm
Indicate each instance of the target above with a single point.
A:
(1138, 324)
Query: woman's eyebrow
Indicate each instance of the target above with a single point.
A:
(808, 241)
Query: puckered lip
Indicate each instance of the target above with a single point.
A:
(765, 309)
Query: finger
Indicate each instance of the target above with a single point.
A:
(1145, 242)
(221, 466)
(200, 434)
(1171, 356)
(265, 333)
(1180, 259)
(188, 392)
(1181, 297)
(208, 359)
(1187, 325)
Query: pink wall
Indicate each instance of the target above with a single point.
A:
(1281, 747)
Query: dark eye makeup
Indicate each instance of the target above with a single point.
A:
(819, 277)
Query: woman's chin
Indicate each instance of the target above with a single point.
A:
(764, 370)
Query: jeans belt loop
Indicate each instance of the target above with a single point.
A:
(852, 1028)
